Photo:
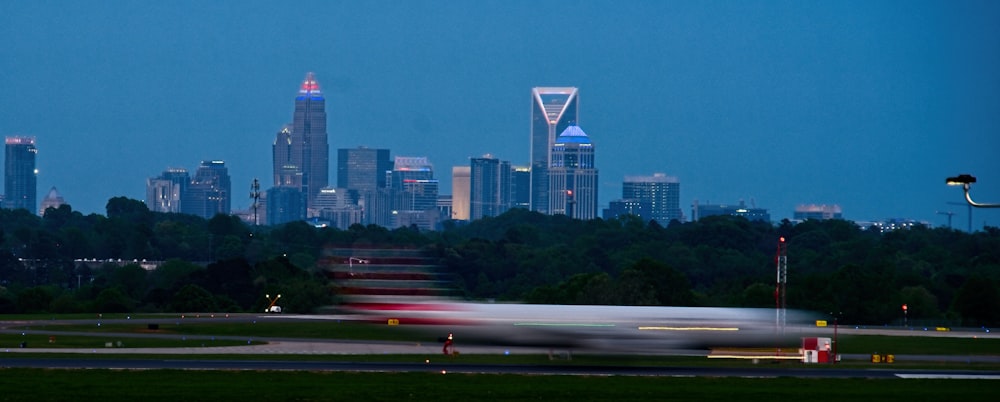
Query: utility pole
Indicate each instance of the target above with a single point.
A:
(970, 212)
(949, 213)
(781, 259)
(255, 196)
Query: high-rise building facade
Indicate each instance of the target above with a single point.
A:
(20, 176)
(284, 204)
(520, 191)
(553, 109)
(414, 176)
(336, 206)
(286, 173)
(460, 196)
(166, 192)
(309, 150)
(662, 192)
(414, 192)
(489, 187)
(573, 175)
(362, 169)
(634, 207)
(209, 192)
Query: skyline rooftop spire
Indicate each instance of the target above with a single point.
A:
(310, 87)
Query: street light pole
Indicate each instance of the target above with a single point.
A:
(966, 180)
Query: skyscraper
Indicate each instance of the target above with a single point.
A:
(573, 175)
(460, 197)
(662, 192)
(166, 192)
(20, 176)
(414, 176)
(286, 173)
(490, 187)
(309, 151)
(362, 169)
(414, 192)
(520, 191)
(209, 191)
(553, 109)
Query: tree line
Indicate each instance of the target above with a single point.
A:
(944, 276)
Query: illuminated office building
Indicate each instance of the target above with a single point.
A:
(20, 176)
(362, 169)
(301, 150)
(489, 187)
(166, 192)
(660, 191)
(209, 192)
(553, 109)
(520, 190)
(573, 176)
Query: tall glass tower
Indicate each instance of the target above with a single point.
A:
(489, 187)
(553, 109)
(362, 169)
(20, 178)
(309, 150)
(209, 192)
(573, 176)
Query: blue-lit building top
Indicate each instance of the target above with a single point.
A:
(572, 175)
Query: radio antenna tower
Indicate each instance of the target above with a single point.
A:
(781, 258)
(255, 196)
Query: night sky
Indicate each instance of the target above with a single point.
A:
(865, 104)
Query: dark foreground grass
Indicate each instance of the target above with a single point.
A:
(173, 385)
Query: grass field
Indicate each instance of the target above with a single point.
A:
(172, 385)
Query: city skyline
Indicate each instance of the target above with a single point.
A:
(865, 105)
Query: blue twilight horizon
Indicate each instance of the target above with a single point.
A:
(866, 104)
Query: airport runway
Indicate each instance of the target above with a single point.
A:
(13, 357)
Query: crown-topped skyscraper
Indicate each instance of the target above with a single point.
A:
(553, 109)
(308, 153)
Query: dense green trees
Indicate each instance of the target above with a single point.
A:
(221, 264)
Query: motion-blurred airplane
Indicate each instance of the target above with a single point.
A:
(591, 327)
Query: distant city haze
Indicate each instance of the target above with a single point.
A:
(868, 105)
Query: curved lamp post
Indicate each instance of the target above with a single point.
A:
(965, 180)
